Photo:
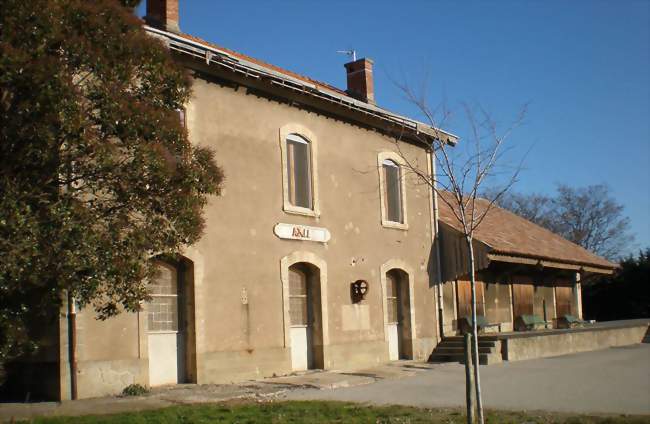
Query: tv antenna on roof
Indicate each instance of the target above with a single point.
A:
(350, 52)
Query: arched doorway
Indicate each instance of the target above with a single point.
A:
(398, 315)
(170, 324)
(305, 315)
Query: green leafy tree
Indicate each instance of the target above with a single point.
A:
(624, 295)
(97, 172)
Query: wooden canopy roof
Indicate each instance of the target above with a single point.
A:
(508, 237)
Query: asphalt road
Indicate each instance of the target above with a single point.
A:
(615, 380)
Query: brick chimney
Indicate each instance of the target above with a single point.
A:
(163, 14)
(360, 82)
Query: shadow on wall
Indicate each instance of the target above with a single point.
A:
(432, 264)
(35, 376)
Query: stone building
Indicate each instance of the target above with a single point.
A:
(318, 254)
(315, 256)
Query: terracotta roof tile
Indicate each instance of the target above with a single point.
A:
(508, 233)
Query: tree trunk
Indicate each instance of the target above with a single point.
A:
(469, 380)
(477, 377)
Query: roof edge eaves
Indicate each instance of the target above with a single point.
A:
(554, 259)
(414, 125)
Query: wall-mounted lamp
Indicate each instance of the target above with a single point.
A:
(358, 290)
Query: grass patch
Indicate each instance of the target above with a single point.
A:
(327, 412)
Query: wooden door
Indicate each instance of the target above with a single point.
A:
(522, 299)
(464, 298)
(543, 302)
(563, 301)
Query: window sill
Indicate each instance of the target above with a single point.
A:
(297, 210)
(395, 225)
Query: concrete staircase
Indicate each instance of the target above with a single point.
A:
(451, 349)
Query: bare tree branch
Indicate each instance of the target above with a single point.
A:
(458, 181)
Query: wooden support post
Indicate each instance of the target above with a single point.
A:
(577, 295)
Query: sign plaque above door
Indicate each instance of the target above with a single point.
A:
(301, 232)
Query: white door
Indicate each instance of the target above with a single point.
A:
(392, 316)
(299, 348)
(299, 314)
(163, 358)
(165, 339)
(393, 342)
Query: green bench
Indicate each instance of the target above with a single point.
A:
(465, 324)
(529, 322)
(569, 321)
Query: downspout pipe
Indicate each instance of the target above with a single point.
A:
(72, 345)
(437, 246)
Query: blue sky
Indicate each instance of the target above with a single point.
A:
(582, 66)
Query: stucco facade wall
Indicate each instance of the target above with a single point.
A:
(239, 250)
(239, 255)
(111, 354)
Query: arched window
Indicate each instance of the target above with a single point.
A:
(163, 307)
(392, 191)
(299, 171)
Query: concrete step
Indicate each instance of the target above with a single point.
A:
(445, 357)
(456, 343)
(483, 359)
(460, 349)
(482, 337)
(452, 349)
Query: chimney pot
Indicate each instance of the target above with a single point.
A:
(360, 80)
(163, 14)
